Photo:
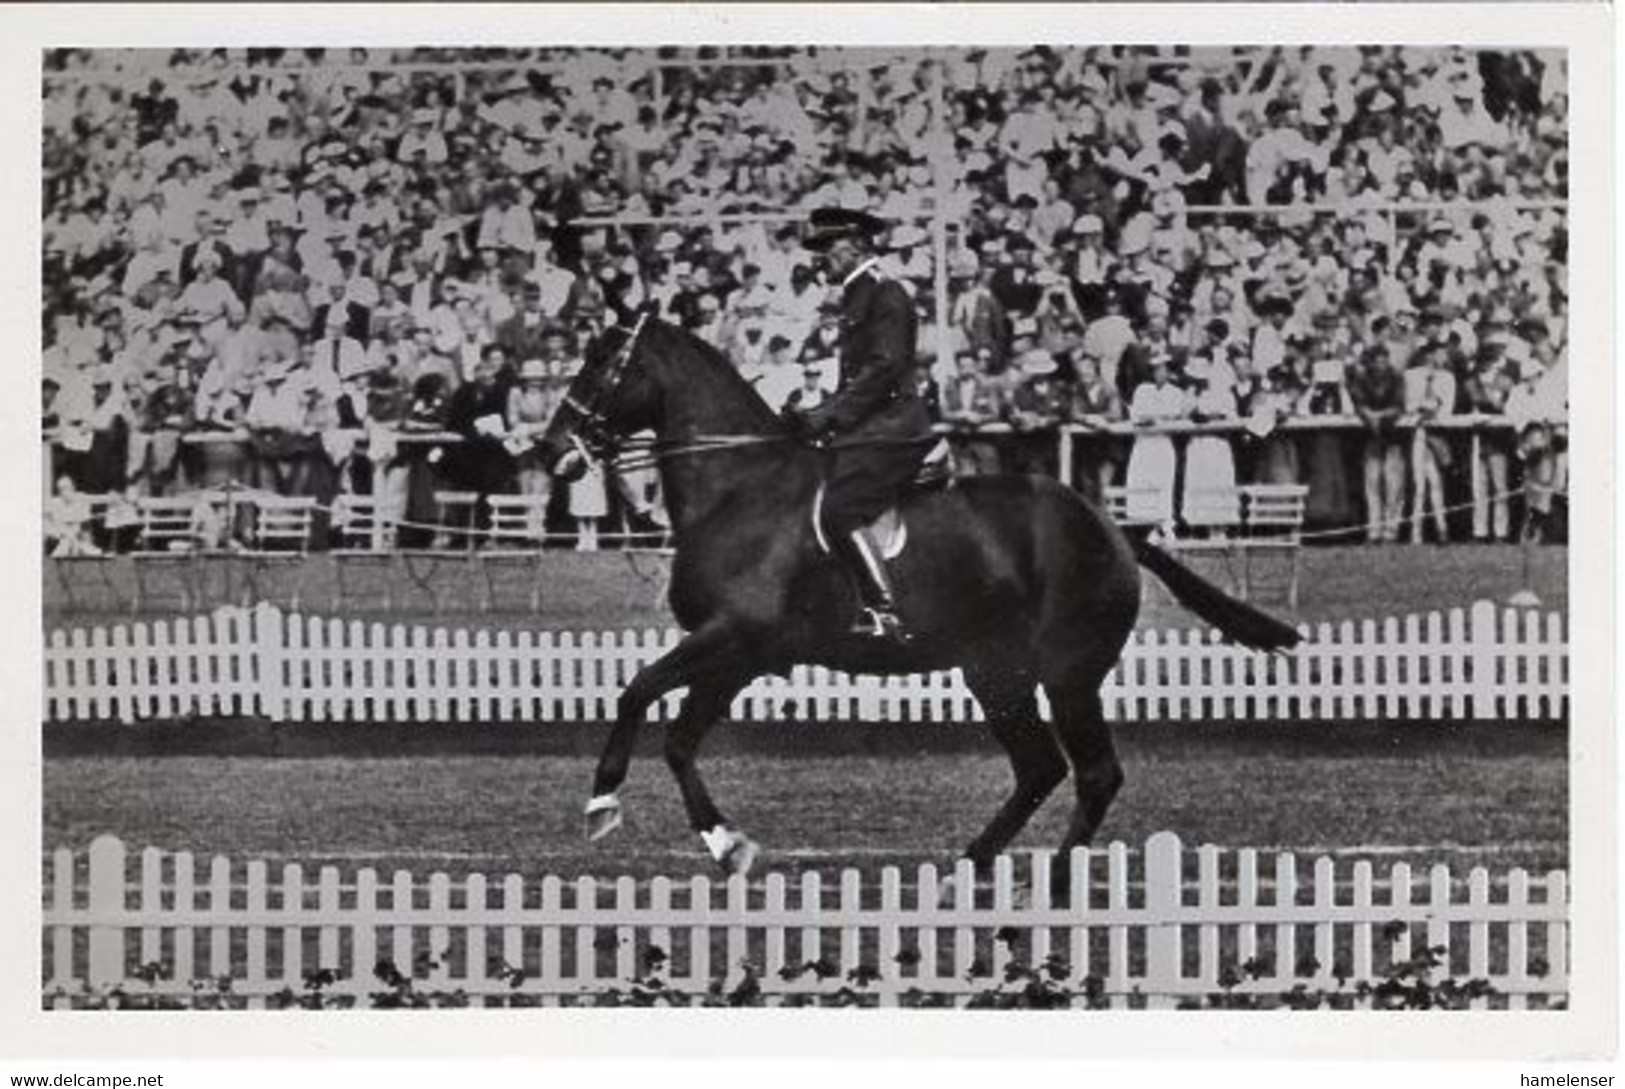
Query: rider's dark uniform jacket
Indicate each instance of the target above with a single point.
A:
(879, 422)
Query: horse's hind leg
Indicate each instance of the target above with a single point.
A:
(1010, 704)
(706, 703)
(1080, 725)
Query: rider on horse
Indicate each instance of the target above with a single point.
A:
(876, 423)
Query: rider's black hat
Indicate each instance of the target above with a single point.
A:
(828, 225)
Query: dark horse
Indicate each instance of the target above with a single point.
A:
(1016, 581)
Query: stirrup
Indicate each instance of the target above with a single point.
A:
(876, 623)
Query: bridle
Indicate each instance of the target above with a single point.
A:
(592, 435)
(592, 426)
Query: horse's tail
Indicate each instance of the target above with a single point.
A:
(1236, 619)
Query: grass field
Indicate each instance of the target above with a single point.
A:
(1487, 795)
(611, 590)
(1495, 795)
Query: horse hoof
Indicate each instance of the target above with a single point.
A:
(741, 856)
(603, 817)
(732, 850)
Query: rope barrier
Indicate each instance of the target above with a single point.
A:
(1408, 519)
(249, 493)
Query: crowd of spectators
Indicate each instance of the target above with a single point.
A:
(325, 251)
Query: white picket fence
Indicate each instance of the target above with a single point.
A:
(1150, 928)
(1480, 663)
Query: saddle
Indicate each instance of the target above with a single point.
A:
(889, 530)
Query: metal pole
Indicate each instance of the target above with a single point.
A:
(1393, 240)
(939, 219)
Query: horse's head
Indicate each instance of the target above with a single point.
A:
(609, 398)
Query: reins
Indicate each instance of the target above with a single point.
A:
(647, 454)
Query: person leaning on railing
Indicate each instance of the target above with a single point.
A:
(1485, 390)
(1376, 390)
(1035, 409)
(276, 419)
(1430, 396)
(1537, 408)
(968, 400)
(1095, 405)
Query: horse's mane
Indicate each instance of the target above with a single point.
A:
(722, 368)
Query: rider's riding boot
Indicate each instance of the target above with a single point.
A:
(878, 618)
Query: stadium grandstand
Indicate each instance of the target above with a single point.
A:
(361, 277)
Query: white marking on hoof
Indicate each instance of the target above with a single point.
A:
(719, 841)
(733, 851)
(603, 816)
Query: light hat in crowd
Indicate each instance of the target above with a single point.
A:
(277, 370)
(1161, 96)
(1037, 363)
(1136, 237)
(250, 195)
(670, 242)
(353, 365)
(534, 370)
(907, 236)
(1381, 102)
(1441, 225)
(424, 115)
(1220, 259)
(1089, 224)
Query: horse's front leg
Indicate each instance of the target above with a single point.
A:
(698, 654)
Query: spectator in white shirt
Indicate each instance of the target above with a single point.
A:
(1430, 395)
(422, 139)
(247, 233)
(555, 282)
(210, 300)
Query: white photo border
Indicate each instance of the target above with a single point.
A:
(1586, 1029)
